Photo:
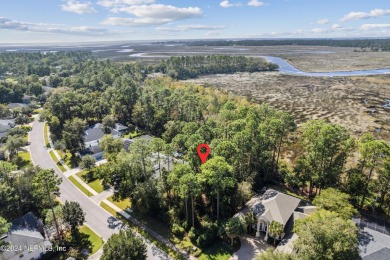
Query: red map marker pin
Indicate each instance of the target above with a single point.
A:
(203, 156)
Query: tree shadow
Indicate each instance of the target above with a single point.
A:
(81, 242)
(365, 238)
(114, 223)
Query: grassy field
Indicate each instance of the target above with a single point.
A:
(46, 133)
(123, 204)
(357, 103)
(339, 59)
(93, 238)
(81, 187)
(96, 185)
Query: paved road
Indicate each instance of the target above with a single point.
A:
(97, 218)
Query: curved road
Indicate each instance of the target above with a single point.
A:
(96, 218)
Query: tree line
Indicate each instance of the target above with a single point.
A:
(373, 44)
(193, 66)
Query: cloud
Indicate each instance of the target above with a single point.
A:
(74, 6)
(112, 3)
(365, 15)
(318, 30)
(134, 22)
(160, 11)
(212, 34)
(183, 28)
(323, 21)
(255, 3)
(366, 27)
(226, 4)
(9, 24)
(336, 26)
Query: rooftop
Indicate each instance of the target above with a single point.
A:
(96, 132)
(15, 105)
(25, 231)
(273, 206)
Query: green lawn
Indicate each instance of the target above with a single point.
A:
(96, 185)
(218, 251)
(93, 238)
(26, 159)
(65, 157)
(123, 204)
(25, 156)
(81, 187)
(133, 134)
(53, 156)
(109, 209)
(46, 134)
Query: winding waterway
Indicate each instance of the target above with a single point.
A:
(287, 68)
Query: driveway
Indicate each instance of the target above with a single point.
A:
(103, 223)
(371, 241)
(250, 248)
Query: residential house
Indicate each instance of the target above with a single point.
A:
(93, 135)
(26, 99)
(373, 244)
(15, 105)
(28, 237)
(271, 205)
(5, 126)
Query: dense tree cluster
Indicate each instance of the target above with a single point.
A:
(22, 191)
(40, 64)
(193, 66)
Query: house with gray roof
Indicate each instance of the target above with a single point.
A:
(5, 126)
(16, 105)
(28, 237)
(93, 135)
(271, 205)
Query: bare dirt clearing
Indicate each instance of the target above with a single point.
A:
(354, 102)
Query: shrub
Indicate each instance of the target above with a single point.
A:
(58, 145)
(17, 131)
(192, 235)
(27, 128)
(177, 230)
(204, 236)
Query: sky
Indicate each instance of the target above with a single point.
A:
(40, 21)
